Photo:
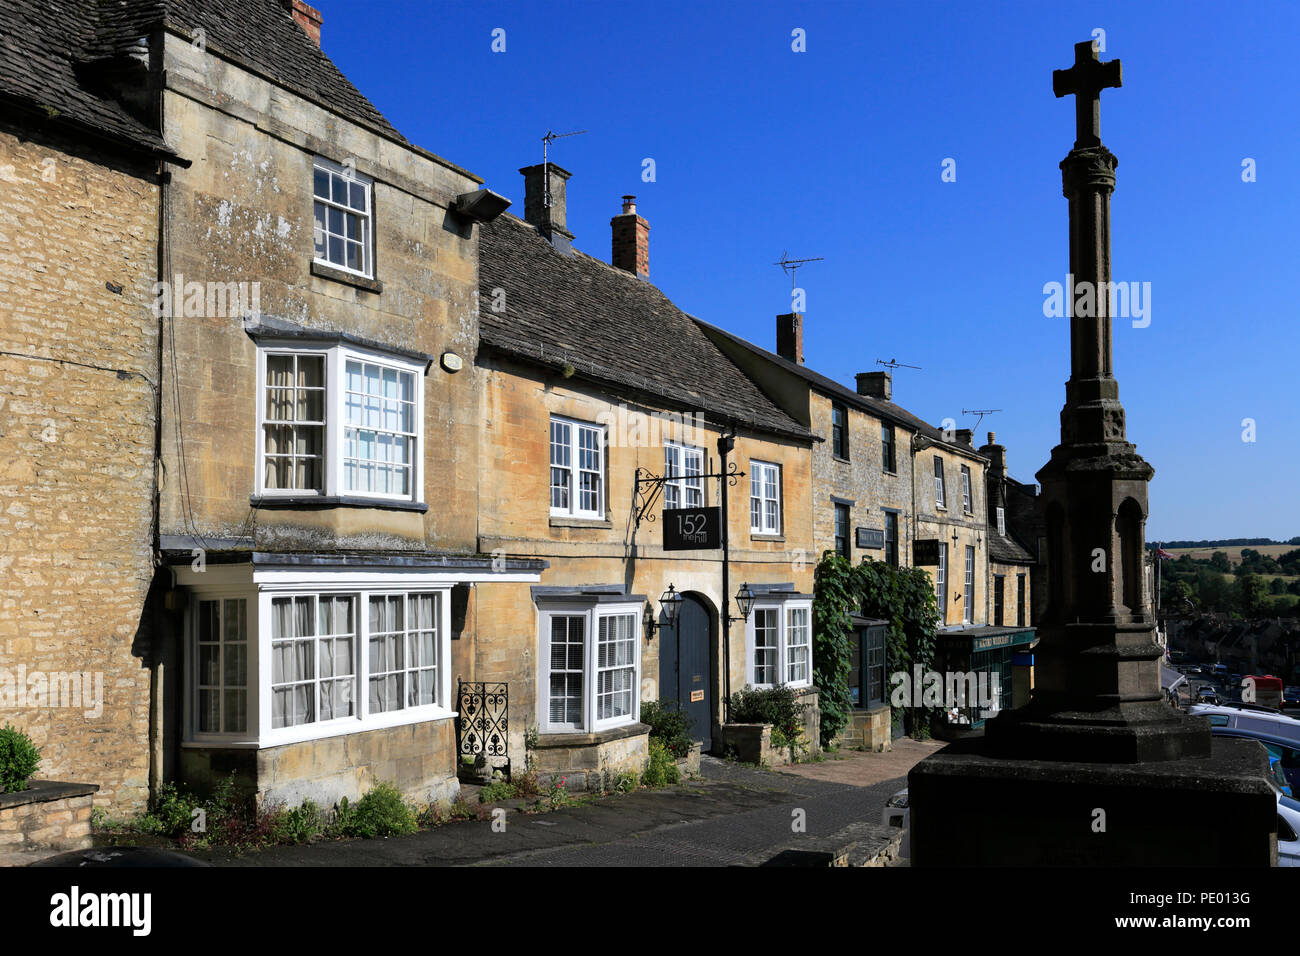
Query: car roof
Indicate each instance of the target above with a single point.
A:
(1256, 735)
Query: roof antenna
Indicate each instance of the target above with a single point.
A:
(550, 137)
(981, 412)
(894, 363)
(790, 265)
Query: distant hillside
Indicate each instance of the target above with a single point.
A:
(1223, 543)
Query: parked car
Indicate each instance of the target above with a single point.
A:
(895, 812)
(1291, 696)
(1250, 717)
(1283, 753)
(1288, 831)
(1206, 695)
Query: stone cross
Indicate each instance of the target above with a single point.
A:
(1086, 79)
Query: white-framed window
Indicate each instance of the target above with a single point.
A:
(965, 489)
(344, 656)
(941, 583)
(577, 468)
(683, 466)
(778, 639)
(591, 657)
(798, 661)
(220, 628)
(969, 591)
(764, 498)
(940, 496)
(342, 207)
(339, 420)
(1002, 520)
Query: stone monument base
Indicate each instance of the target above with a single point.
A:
(970, 809)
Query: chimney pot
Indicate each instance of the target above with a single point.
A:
(309, 18)
(630, 241)
(876, 385)
(992, 439)
(789, 337)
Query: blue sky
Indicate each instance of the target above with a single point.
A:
(837, 152)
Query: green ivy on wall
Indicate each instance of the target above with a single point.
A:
(902, 596)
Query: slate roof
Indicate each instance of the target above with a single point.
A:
(47, 47)
(43, 46)
(1007, 550)
(875, 406)
(612, 327)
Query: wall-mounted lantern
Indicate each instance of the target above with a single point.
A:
(670, 601)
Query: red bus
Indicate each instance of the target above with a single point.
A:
(1267, 689)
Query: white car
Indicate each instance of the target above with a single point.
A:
(1261, 721)
(1288, 831)
(895, 813)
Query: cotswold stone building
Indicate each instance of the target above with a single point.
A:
(888, 486)
(78, 403)
(247, 342)
(592, 378)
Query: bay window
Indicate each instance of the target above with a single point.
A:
(591, 664)
(338, 420)
(778, 638)
(303, 659)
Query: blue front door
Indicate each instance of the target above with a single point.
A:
(685, 671)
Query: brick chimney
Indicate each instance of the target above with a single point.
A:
(545, 212)
(789, 337)
(876, 385)
(631, 241)
(309, 18)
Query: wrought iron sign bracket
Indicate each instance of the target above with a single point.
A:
(650, 486)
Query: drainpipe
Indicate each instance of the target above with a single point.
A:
(726, 443)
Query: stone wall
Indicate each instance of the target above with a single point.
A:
(591, 761)
(515, 519)
(868, 730)
(78, 358)
(46, 816)
(418, 759)
(861, 479)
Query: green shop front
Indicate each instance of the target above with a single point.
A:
(869, 725)
(995, 668)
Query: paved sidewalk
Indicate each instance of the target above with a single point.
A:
(733, 815)
(863, 769)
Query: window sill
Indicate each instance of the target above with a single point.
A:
(766, 536)
(348, 278)
(571, 522)
(334, 501)
(342, 727)
(840, 458)
(570, 738)
(888, 474)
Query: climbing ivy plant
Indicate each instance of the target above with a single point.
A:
(902, 596)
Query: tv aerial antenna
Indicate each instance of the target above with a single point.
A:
(789, 266)
(550, 137)
(981, 412)
(894, 363)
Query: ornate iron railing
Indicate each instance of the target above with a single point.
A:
(483, 727)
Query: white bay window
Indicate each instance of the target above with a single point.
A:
(591, 658)
(316, 656)
(778, 639)
(339, 420)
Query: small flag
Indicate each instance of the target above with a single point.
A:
(1163, 555)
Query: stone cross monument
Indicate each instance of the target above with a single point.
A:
(1097, 678)
(1096, 769)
